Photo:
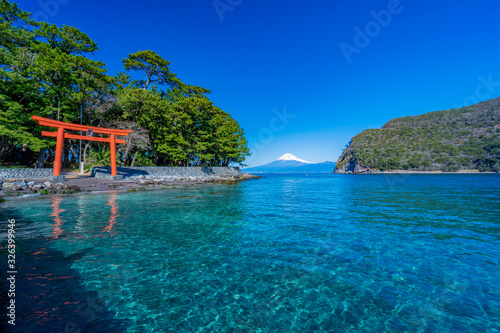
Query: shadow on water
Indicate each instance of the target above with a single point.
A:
(50, 296)
(109, 238)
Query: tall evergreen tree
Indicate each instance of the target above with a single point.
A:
(45, 67)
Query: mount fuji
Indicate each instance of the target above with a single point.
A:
(289, 163)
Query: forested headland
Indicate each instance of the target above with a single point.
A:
(453, 140)
(45, 68)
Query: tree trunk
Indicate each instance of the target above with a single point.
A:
(65, 157)
(41, 158)
(125, 154)
(87, 145)
(133, 159)
(73, 150)
(25, 155)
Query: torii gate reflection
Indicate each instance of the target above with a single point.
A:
(114, 212)
(59, 221)
(56, 201)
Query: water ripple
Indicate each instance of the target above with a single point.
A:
(323, 253)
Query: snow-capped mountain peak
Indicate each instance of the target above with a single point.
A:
(292, 164)
(290, 157)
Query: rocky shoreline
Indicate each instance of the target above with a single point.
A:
(475, 172)
(78, 184)
(365, 171)
(349, 164)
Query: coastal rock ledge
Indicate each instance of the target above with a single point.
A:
(348, 163)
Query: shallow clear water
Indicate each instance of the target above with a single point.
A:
(287, 253)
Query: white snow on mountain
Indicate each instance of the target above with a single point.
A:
(290, 157)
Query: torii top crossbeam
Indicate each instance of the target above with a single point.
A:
(61, 135)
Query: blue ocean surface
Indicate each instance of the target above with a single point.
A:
(285, 253)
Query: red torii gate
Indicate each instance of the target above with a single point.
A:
(61, 135)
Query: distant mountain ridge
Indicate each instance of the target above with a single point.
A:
(456, 140)
(289, 163)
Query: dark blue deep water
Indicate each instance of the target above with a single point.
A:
(287, 253)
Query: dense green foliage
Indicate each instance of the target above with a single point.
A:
(44, 67)
(452, 140)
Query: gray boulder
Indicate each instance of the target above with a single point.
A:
(37, 187)
(9, 186)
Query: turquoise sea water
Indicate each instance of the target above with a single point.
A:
(287, 253)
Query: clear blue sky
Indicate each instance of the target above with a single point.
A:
(296, 75)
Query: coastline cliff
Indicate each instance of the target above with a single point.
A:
(456, 140)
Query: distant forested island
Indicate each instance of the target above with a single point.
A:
(465, 139)
(48, 70)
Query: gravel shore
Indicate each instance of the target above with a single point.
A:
(76, 183)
